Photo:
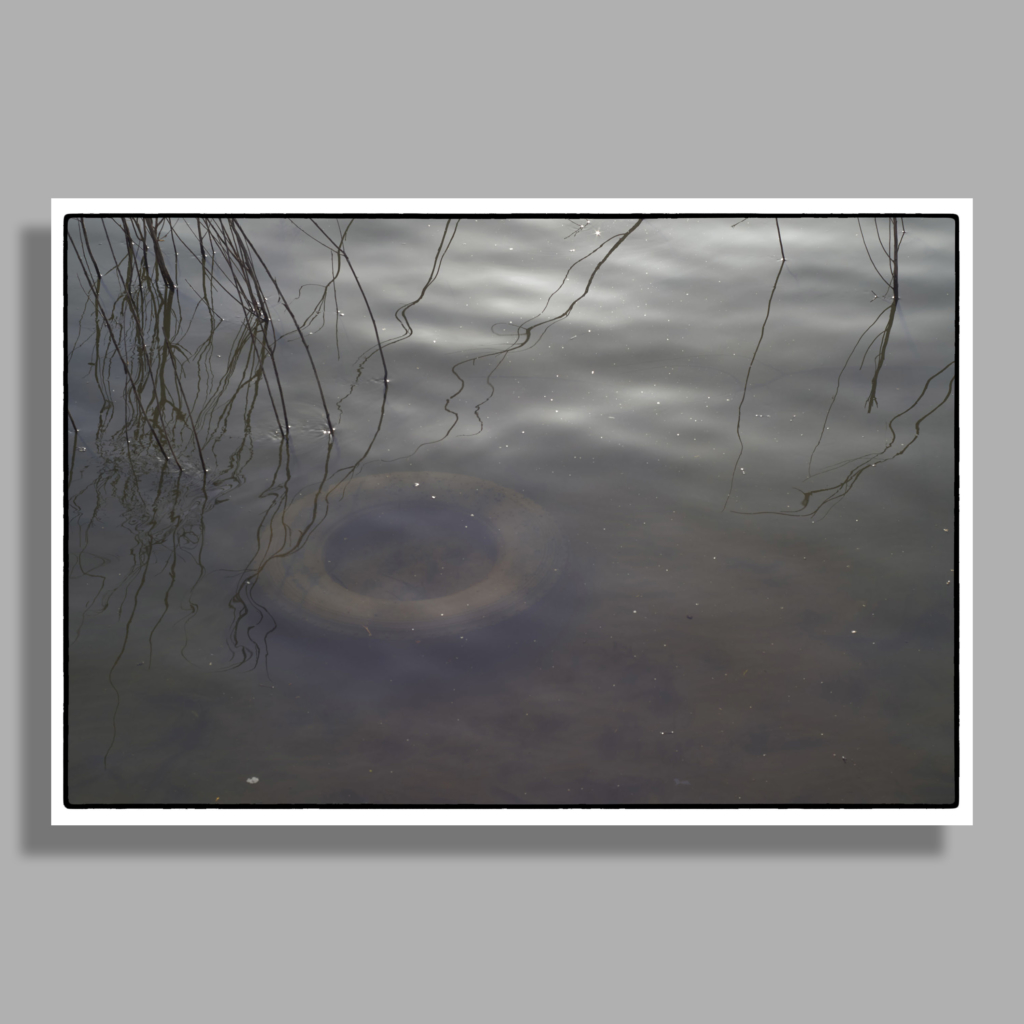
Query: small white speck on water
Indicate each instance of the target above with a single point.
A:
(252, 781)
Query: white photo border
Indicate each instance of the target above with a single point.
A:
(962, 814)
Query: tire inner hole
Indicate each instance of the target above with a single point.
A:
(411, 551)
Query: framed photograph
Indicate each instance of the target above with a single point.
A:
(588, 512)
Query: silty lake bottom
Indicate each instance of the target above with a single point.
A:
(745, 466)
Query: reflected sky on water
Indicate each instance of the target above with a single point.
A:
(750, 462)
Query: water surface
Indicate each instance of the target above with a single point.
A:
(751, 462)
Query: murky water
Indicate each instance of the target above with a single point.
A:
(750, 463)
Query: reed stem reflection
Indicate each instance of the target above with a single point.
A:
(816, 499)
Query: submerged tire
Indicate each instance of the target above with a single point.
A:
(517, 557)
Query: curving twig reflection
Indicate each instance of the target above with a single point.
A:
(746, 384)
(524, 335)
(833, 493)
(837, 492)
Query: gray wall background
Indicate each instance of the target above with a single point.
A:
(527, 100)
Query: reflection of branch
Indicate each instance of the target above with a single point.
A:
(746, 382)
(838, 491)
(302, 338)
(164, 272)
(896, 262)
(402, 313)
(835, 395)
(376, 333)
(778, 231)
(868, 251)
(891, 250)
(524, 335)
(872, 401)
(619, 239)
(124, 365)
